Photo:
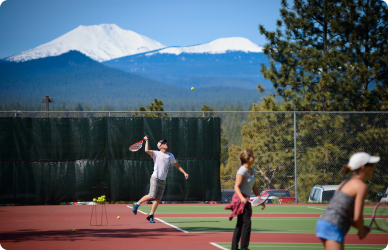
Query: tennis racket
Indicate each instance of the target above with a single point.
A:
(259, 199)
(135, 147)
(380, 217)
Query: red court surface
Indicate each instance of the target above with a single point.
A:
(50, 227)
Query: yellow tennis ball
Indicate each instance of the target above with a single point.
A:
(118, 217)
(192, 88)
(94, 199)
(74, 230)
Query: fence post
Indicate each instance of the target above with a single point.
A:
(296, 171)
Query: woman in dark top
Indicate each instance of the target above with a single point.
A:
(346, 206)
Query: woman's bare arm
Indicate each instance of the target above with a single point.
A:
(358, 209)
(255, 190)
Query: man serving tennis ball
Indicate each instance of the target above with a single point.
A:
(162, 160)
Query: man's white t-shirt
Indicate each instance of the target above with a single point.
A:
(161, 164)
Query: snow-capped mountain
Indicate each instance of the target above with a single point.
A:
(100, 42)
(218, 46)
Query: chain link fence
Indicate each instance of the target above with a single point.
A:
(294, 151)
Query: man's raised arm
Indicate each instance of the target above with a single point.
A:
(146, 147)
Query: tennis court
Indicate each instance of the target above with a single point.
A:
(178, 226)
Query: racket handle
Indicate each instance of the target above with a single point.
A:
(366, 230)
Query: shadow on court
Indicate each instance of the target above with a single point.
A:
(81, 234)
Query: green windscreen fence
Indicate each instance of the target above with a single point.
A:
(48, 161)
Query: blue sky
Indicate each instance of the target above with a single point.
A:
(25, 24)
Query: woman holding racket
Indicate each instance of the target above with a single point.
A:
(346, 206)
(162, 160)
(241, 207)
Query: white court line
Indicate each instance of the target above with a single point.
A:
(168, 224)
(216, 245)
(180, 229)
(317, 208)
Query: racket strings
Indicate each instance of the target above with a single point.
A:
(381, 216)
(260, 199)
(136, 147)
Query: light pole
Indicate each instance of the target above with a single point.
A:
(47, 100)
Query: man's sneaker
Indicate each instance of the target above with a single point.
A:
(150, 218)
(135, 206)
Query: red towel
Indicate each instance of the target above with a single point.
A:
(237, 207)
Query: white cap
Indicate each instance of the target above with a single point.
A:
(359, 159)
(160, 143)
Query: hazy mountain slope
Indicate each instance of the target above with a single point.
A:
(73, 78)
(232, 68)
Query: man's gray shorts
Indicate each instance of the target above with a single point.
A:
(157, 188)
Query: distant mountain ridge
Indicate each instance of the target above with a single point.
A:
(224, 62)
(73, 78)
(99, 42)
(108, 41)
(218, 46)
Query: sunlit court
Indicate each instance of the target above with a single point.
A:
(188, 226)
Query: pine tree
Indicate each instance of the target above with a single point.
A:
(363, 30)
(207, 108)
(154, 106)
(329, 54)
(78, 107)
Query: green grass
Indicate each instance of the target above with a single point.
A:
(267, 225)
(211, 209)
(298, 246)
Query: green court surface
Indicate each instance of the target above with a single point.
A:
(267, 225)
(298, 246)
(211, 209)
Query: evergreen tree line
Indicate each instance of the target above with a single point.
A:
(85, 107)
